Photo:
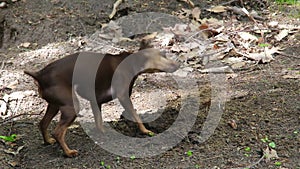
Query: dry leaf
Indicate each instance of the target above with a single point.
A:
(25, 44)
(247, 36)
(292, 74)
(151, 36)
(10, 151)
(270, 153)
(224, 69)
(273, 24)
(184, 13)
(218, 9)
(232, 124)
(203, 26)
(282, 34)
(191, 4)
(196, 13)
(265, 56)
(164, 38)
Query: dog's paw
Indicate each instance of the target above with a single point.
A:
(50, 141)
(72, 153)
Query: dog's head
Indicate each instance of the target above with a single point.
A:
(156, 61)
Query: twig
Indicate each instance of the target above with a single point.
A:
(229, 2)
(241, 11)
(287, 55)
(12, 117)
(252, 165)
(191, 4)
(246, 12)
(114, 11)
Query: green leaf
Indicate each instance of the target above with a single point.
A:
(151, 134)
(118, 159)
(247, 149)
(278, 163)
(272, 144)
(11, 138)
(265, 140)
(189, 153)
(132, 157)
(102, 163)
(263, 45)
(247, 155)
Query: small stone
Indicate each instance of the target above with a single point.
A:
(2, 4)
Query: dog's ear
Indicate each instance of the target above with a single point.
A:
(145, 43)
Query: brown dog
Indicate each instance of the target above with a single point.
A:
(96, 77)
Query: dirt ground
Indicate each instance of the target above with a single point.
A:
(264, 105)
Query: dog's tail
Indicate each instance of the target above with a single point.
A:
(32, 74)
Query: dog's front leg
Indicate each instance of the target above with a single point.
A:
(128, 106)
(96, 108)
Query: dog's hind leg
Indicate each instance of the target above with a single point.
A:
(68, 115)
(51, 111)
(69, 110)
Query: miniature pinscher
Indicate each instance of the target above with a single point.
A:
(114, 78)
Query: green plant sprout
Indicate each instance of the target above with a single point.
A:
(118, 159)
(278, 163)
(265, 140)
(264, 45)
(102, 163)
(288, 2)
(247, 149)
(272, 144)
(11, 138)
(189, 153)
(151, 134)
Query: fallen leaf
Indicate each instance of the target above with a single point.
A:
(165, 38)
(203, 26)
(270, 153)
(273, 23)
(184, 13)
(189, 2)
(151, 36)
(224, 69)
(265, 56)
(10, 151)
(196, 13)
(183, 72)
(292, 74)
(282, 34)
(218, 9)
(25, 45)
(247, 36)
(232, 124)
(238, 65)
(74, 126)
(13, 163)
